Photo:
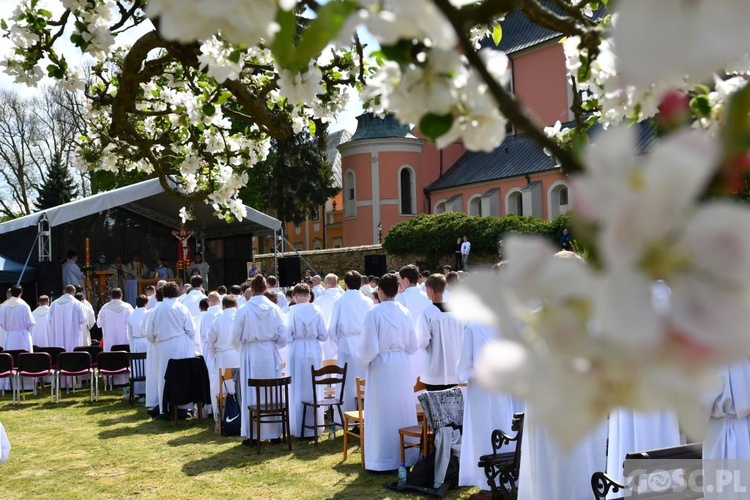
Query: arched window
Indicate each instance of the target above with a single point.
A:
(475, 205)
(514, 202)
(557, 199)
(406, 191)
(440, 207)
(350, 194)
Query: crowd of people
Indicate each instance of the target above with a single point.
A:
(389, 330)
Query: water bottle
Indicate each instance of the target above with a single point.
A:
(402, 475)
(332, 431)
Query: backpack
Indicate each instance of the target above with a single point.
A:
(230, 419)
(422, 476)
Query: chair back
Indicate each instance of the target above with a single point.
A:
(328, 377)
(138, 366)
(360, 396)
(112, 362)
(6, 364)
(34, 363)
(271, 394)
(420, 386)
(74, 362)
(93, 350)
(329, 362)
(120, 347)
(53, 352)
(14, 354)
(517, 425)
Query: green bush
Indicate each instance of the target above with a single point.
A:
(433, 236)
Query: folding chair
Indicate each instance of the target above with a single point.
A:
(120, 347)
(53, 352)
(34, 365)
(74, 364)
(358, 418)
(109, 364)
(326, 377)
(93, 350)
(7, 370)
(271, 405)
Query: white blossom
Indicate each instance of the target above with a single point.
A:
(301, 87)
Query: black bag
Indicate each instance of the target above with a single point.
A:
(230, 419)
(421, 479)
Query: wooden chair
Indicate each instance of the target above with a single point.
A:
(358, 418)
(421, 432)
(502, 469)
(137, 372)
(221, 398)
(326, 377)
(271, 405)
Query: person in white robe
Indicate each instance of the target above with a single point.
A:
(40, 334)
(220, 353)
(388, 339)
(305, 332)
(171, 328)
(326, 302)
(17, 321)
(484, 411)
(66, 320)
(4, 445)
(273, 286)
(192, 299)
(258, 332)
(207, 319)
(415, 301)
(345, 329)
(88, 313)
(152, 365)
(137, 337)
(317, 288)
(439, 334)
(113, 320)
(151, 294)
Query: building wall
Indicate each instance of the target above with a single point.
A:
(540, 82)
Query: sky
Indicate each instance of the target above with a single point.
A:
(347, 119)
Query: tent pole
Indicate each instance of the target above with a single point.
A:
(275, 254)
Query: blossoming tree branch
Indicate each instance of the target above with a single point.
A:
(665, 297)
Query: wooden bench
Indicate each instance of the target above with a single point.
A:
(602, 484)
(501, 469)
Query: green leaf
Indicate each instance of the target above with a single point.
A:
(3, 24)
(323, 29)
(701, 106)
(433, 126)
(736, 132)
(399, 52)
(311, 126)
(45, 13)
(702, 89)
(209, 109)
(497, 34)
(234, 56)
(283, 43)
(224, 97)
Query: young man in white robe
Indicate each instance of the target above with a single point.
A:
(66, 320)
(220, 352)
(17, 321)
(305, 332)
(415, 301)
(326, 302)
(273, 285)
(88, 313)
(258, 332)
(113, 320)
(192, 299)
(152, 365)
(388, 339)
(137, 337)
(317, 288)
(484, 411)
(346, 329)
(439, 334)
(151, 295)
(206, 320)
(171, 328)
(41, 334)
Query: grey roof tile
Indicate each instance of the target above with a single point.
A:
(371, 126)
(332, 153)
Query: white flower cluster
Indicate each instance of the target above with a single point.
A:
(670, 300)
(392, 20)
(301, 87)
(217, 59)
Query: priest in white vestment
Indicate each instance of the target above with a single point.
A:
(326, 302)
(258, 332)
(66, 320)
(17, 321)
(415, 301)
(345, 330)
(171, 328)
(388, 339)
(137, 337)
(41, 334)
(113, 320)
(152, 365)
(206, 320)
(483, 411)
(90, 315)
(220, 353)
(4, 445)
(305, 332)
(439, 335)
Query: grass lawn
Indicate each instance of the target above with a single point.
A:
(79, 449)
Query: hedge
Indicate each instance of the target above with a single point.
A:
(433, 236)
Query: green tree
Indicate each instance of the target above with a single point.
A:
(58, 186)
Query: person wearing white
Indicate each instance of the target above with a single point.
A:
(41, 334)
(415, 301)
(136, 336)
(272, 284)
(66, 320)
(258, 332)
(135, 269)
(192, 299)
(483, 411)
(207, 319)
(71, 273)
(113, 320)
(387, 341)
(170, 326)
(4, 445)
(220, 353)
(88, 313)
(439, 334)
(465, 251)
(305, 331)
(325, 302)
(152, 365)
(151, 294)
(202, 267)
(17, 321)
(345, 330)
(317, 288)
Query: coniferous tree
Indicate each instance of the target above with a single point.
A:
(58, 186)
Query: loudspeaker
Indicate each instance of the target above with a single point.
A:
(289, 271)
(375, 265)
(49, 277)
